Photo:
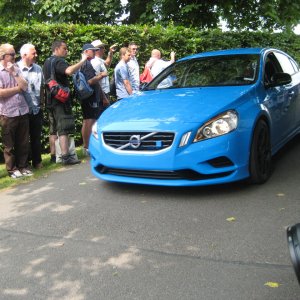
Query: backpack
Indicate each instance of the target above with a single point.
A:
(82, 88)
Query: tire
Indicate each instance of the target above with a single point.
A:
(260, 162)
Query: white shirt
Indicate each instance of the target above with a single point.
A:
(134, 73)
(99, 66)
(158, 66)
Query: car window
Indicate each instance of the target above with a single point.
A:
(295, 65)
(285, 63)
(271, 67)
(209, 71)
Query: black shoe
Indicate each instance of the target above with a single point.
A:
(69, 160)
(53, 159)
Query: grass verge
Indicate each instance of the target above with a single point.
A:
(7, 182)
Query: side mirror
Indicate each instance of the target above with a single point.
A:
(279, 79)
(293, 237)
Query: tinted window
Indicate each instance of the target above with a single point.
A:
(209, 71)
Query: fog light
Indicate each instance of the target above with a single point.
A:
(185, 139)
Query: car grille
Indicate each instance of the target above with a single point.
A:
(186, 174)
(138, 141)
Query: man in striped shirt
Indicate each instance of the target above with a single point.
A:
(13, 114)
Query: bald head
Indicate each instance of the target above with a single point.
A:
(156, 54)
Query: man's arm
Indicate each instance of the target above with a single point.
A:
(127, 86)
(8, 92)
(22, 83)
(72, 69)
(110, 55)
(96, 78)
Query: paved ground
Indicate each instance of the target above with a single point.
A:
(72, 236)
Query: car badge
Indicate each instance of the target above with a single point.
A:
(135, 141)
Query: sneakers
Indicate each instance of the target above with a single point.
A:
(20, 173)
(26, 172)
(15, 174)
(69, 160)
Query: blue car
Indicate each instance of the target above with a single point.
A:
(209, 118)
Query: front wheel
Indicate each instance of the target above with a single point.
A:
(260, 163)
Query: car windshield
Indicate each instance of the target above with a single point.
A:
(208, 71)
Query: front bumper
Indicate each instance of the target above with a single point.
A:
(214, 161)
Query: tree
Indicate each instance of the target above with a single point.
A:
(203, 14)
(269, 15)
(74, 11)
(15, 11)
(239, 14)
(81, 11)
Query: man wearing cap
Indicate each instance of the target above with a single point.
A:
(60, 114)
(100, 65)
(93, 106)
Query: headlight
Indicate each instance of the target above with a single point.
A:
(95, 130)
(220, 125)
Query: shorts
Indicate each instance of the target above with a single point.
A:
(61, 119)
(89, 112)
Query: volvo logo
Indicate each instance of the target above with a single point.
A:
(135, 141)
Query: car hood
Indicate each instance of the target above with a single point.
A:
(175, 105)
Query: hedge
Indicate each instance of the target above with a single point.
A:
(184, 41)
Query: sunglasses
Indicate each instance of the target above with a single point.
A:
(11, 54)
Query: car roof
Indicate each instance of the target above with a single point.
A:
(228, 52)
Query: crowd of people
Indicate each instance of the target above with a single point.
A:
(25, 90)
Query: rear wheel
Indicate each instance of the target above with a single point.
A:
(260, 163)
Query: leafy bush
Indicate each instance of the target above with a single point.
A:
(184, 41)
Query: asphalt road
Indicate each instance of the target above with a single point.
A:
(72, 236)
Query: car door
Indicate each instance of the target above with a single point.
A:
(279, 100)
(296, 78)
(291, 67)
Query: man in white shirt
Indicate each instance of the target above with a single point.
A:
(134, 68)
(156, 64)
(100, 65)
(34, 96)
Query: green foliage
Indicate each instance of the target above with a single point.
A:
(241, 15)
(60, 11)
(184, 41)
(80, 11)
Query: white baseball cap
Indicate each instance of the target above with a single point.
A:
(98, 43)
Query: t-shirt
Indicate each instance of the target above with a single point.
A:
(158, 66)
(60, 66)
(99, 65)
(121, 74)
